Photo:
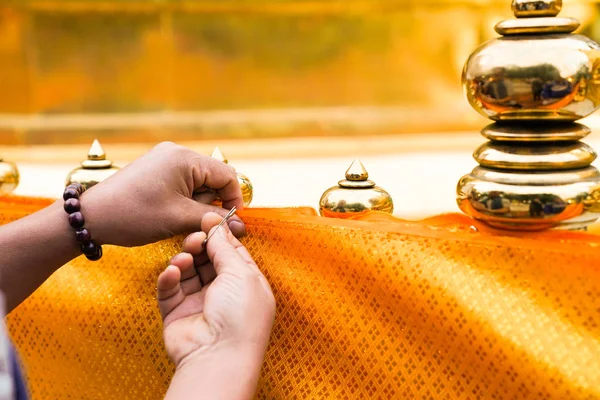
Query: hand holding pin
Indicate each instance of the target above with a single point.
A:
(225, 219)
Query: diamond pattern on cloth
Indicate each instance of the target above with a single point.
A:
(379, 309)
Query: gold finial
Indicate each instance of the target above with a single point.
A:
(243, 180)
(355, 195)
(357, 172)
(96, 158)
(219, 155)
(356, 177)
(9, 176)
(96, 152)
(94, 169)
(533, 173)
(536, 8)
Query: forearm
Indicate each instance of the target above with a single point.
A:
(230, 374)
(33, 248)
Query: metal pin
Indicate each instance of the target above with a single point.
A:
(225, 219)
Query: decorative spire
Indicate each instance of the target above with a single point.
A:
(219, 155)
(357, 172)
(96, 151)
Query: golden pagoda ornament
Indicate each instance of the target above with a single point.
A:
(244, 181)
(356, 194)
(94, 169)
(535, 81)
(9, 176)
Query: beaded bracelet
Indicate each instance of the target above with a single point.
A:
(91, 250)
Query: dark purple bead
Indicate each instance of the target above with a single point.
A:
(77, 186)
(89, 248)
(96, 256)
(76, 220)
(72, 205)
(83, 236)
(70, 193)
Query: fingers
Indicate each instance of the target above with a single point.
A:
(205, 197)
(169, 293)
(211, 221)
(236, 225)
(207, 272)
(190, 281)
(194, 245)
(222, 250)
(215, 174)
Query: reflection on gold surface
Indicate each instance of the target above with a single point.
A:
(540, 77)
(537, 25)
(531, 200)
(536, 8)
(185, 70)
(517, 156)
(532, 132)
(9, 176)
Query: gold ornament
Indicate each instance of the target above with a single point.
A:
(244, 181)
(536, 8)
(95, 169)
(9, 176)
(534, 173)
(355, 195)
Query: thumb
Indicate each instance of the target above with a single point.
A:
(195, 212)
(222, 251)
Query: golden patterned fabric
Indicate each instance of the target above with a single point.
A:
(365, 309)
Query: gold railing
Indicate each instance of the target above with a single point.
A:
(72, 70)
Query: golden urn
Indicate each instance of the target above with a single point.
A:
(534, 82)
(244, 181)
(9, 176)
(356, 194)
(94, 169)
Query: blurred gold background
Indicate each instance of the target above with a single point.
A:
(145, 71)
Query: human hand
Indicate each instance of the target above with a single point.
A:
(215, 301)
(163, 193)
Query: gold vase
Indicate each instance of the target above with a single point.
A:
(9, 176)
(356, 194)
(535, 81)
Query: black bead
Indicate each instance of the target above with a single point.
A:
(96, 256)
(83, 236)
(89, 248)
(76, 220)
(72, 205)
(70, 193)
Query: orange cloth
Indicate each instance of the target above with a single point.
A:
(365, 309)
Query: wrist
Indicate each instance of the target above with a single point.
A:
(227, 371)
(92, 209)
(62, 229)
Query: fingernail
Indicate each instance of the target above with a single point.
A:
(238, 228)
